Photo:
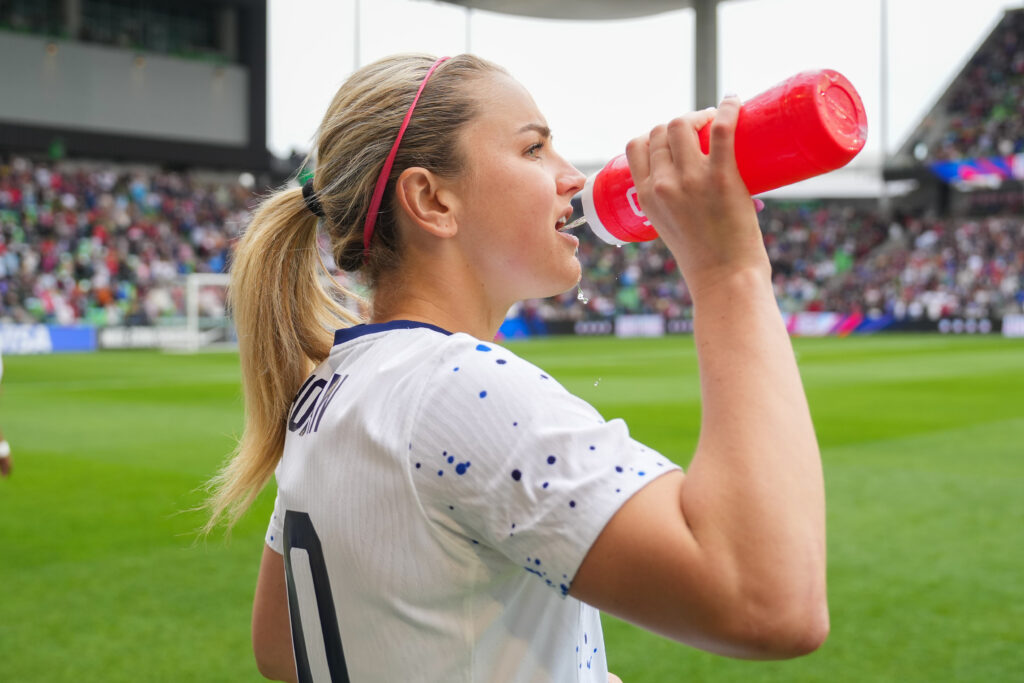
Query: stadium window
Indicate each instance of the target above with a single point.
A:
(42, 17)
(191, 30)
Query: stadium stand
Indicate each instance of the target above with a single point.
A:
(841, 258)
(110, 244)
(982, 112)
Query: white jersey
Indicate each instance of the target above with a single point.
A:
(438, 494)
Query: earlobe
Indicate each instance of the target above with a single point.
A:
(422, 199)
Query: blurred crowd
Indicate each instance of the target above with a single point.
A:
(108, 246)
(985, 106)
(935, 268)
(105, 245)
(808, 244)
(835, 257)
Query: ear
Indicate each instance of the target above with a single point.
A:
(425, 203)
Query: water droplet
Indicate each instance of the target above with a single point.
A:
(581, 296)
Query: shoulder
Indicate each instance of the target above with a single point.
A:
(475, 371)
(469, 354)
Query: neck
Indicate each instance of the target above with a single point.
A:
(450, 298)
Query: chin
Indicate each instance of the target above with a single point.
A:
(571, 280)
(566, 277)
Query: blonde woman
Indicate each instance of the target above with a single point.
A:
(445, 510)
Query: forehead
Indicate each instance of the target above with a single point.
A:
(504, 107)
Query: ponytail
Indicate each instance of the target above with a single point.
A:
(284, 316)
(285, 319)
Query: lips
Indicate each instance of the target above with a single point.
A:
(563, 220)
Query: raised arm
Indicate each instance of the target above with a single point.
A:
(730, 557)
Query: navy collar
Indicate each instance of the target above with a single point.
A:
(349, 333)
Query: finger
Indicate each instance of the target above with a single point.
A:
(683, 137)
(638, 156)
(758, 205)
(661, 153)
(723, 132)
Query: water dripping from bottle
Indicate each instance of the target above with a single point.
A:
(581, 296)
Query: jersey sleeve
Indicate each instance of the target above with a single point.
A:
(501, 454)
(275, 529)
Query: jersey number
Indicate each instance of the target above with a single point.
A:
(299, 533)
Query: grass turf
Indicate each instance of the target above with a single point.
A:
(922, 437)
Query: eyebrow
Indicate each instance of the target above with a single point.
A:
(543, 130)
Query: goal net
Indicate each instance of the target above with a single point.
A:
(207, 323)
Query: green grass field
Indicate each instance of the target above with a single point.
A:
(102, 578)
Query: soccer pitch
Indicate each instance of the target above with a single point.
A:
(102, 577)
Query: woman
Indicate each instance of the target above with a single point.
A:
(446, 511)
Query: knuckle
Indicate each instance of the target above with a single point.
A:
(677, 124)
(636, 144)
(726, 178)
(692, 179)
(663, 188)
(722, 125)
(721, 177)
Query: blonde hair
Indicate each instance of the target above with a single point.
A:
(284, 314)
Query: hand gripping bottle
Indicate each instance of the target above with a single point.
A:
(807, 125)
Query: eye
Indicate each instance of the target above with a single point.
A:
(534, 150)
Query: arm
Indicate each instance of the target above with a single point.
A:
(731, 557)
(271, 628)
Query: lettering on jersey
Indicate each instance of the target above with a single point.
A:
(311, 401)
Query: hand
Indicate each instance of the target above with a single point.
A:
(698, 203)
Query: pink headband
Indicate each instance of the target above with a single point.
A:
(382, 179)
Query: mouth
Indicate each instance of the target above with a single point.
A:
(572, 217)
(563, 223)
(563, 226)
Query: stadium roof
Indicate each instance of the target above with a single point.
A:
(579, 9)
(705, 40)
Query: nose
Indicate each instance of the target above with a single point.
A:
(570, 180)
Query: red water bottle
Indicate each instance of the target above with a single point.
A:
(807, 125)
